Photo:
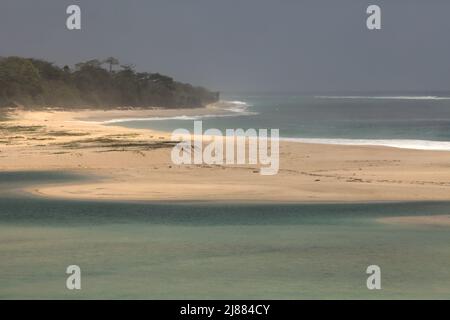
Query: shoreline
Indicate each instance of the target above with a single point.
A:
(410, 144)
(31, 191)
(125, 115)
(135, 165)
(39, 192)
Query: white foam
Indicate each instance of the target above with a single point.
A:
(386, 97)
(183, 117)
(237, 108)
(394, 143)
(242, 103)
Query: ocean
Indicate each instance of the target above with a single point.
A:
(415, 122)
(136, 250)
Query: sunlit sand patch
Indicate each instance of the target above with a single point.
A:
(438, 220)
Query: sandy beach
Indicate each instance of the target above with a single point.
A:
(135, 164)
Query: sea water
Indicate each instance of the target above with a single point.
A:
(396, 120)
(132, 250)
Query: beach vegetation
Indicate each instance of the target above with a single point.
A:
(35, 83)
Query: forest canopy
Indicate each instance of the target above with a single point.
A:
(94, 83)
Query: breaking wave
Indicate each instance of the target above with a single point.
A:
(236, 109)
(386, 97)
(394, 143)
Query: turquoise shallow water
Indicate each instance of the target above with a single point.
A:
(149, 250)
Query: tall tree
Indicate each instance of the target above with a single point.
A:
(112, 62)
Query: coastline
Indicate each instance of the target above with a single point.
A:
(122, 115)
(135, 164)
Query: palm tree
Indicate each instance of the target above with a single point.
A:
(112, 62)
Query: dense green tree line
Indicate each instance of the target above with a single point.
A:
(33, 82)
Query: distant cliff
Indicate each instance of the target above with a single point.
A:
(94, 83)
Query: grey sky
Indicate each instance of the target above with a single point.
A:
(246, 45)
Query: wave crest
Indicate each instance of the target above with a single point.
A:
(236, 109)
(385, 97)
(393, 143)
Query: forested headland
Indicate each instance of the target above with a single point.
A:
(93, 84)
